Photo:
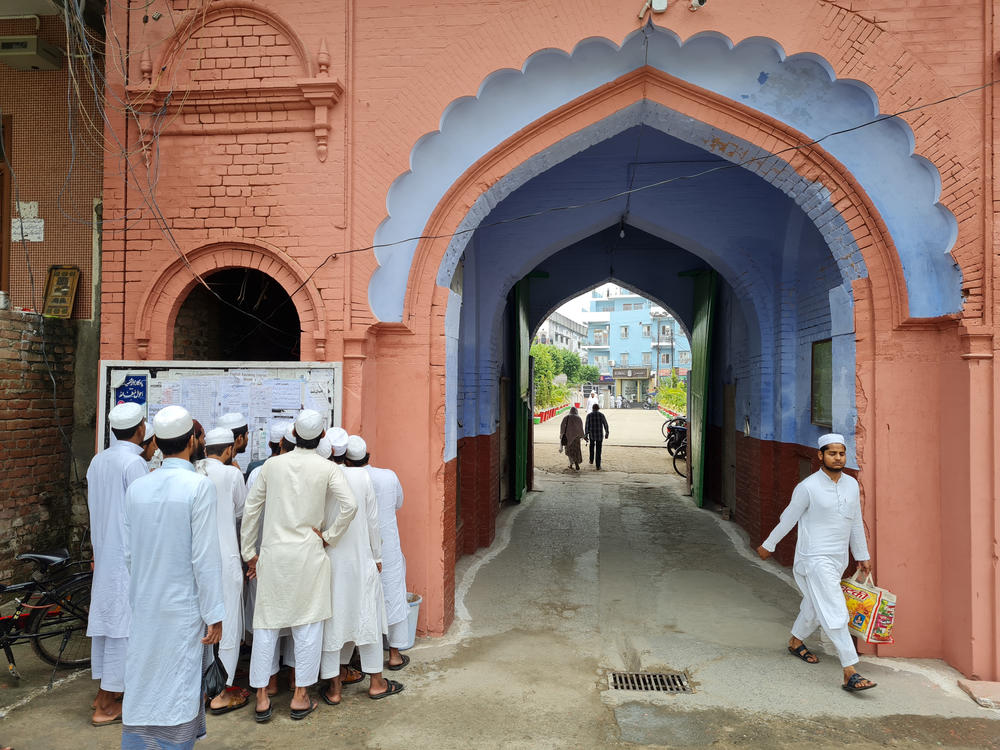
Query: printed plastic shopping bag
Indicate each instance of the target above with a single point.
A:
(871, 610)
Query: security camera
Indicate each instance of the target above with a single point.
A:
(697, 4)
(657, 6)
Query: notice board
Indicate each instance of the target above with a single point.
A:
(264, 392)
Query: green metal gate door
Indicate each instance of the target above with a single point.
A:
(701, 350)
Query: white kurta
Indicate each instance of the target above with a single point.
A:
(172, 550)
(293, 572)
(230, 492)
(828, 515)
(108, 477)
(356, 588)
(389, 493)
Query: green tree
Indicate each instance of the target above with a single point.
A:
(545, 370)
(570, 364)
(589, 374)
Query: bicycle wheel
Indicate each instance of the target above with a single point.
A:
(680, 461)
(665, 429)
(64, 622)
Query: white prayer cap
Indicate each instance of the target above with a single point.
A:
(125, 416)
(830, 439)
(219, 436)
(356, 448)
(309, 424)
(324, 449)
(232, 421)
(338, 439)
(276, 432)
(289, 435)
(172, 422)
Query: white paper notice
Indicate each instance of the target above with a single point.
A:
(235, 396)
(316, 397)
(200, 397)
(286, 394)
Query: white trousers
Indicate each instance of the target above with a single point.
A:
(371, 659)
(264, 655)
(808, 620)
(399, 634)
(229, 657)
(107, 662)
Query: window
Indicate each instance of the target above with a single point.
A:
(624, 332)
(647, 358)
(822, 383)
(664, 359)
(645, 330)
(623, 359)
(665, 330)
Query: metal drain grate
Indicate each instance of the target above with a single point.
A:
(660, 682)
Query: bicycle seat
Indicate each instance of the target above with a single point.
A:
(58, 557)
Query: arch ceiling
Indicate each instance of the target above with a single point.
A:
(799, 91)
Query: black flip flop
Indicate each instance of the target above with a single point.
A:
(803, 653)
(392, 688)
(326, 700)
(397, 667)
(264, 716)
(300, 713)
(852, 684)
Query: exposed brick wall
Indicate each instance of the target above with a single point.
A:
(197, 332)
(40, 508)
(480, 491)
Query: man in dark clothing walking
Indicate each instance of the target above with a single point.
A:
(596, 431)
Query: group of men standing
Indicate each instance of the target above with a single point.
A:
(315, 526)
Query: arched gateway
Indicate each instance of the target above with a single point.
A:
(850, 241)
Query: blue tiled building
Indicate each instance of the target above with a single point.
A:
(631, 339)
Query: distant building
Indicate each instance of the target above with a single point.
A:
(560, 331)
(631, 340)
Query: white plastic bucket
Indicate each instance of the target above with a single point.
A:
(414, 601)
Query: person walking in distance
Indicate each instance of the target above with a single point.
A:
(570, 434)
(826, 506)
(596, 430)
(108, 477)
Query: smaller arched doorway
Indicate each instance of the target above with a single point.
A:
(243, 315)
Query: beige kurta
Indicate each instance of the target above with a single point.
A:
(293, 572)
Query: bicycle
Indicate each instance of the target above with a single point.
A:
(680, 454)
(673, 430)
(51, 613)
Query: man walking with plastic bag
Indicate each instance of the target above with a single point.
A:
(827, 508)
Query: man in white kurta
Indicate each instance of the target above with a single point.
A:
(175, 591)
(108, 477)
(230, 493)
(389, 495)
(292, 570)
(826, 506)
(358, 606)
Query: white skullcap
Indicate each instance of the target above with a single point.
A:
(125, 416)
(232, 421)
(276, 432)
(830, 439)
(172, 422)
(338, 439)
(309, 424)
(289, 435)
(219, 436)
(324, 449)
(356, 448)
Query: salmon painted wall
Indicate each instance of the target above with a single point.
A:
(286, 129)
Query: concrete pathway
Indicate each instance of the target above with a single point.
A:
(598, 572)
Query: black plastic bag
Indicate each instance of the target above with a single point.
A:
(214, 680)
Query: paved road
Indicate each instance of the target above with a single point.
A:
(594, 573)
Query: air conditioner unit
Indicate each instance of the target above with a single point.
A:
(29, 53)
